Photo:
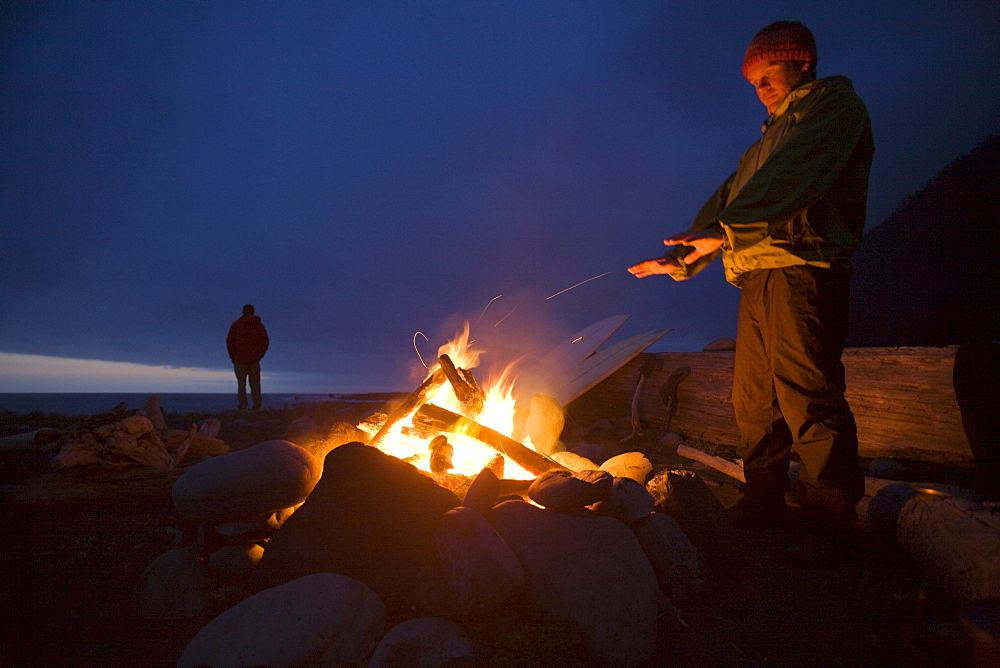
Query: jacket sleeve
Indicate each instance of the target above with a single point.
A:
(706, 218)
(231, 341)
(800, 171)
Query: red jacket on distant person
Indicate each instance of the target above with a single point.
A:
(247, 340)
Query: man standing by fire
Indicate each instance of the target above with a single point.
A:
(786, 224)
(247, 343)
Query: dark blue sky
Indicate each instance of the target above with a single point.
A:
(364, 171)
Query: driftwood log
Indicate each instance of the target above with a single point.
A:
(436, 418)
(464, 384)
(902, 398)
(411, 404)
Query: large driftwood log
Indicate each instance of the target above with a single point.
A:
(441, 419)
(902, 398)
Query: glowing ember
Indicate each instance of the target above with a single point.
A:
(471, 456)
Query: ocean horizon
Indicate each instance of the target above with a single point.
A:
(92, 403)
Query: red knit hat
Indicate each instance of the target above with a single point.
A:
(782, 40)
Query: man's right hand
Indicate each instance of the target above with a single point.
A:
(658, 265)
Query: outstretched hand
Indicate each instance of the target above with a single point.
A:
(658, 265)
(703, 243)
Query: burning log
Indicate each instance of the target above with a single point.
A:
(441, 419)
(412, 403)
(467, 390)
(441, 453)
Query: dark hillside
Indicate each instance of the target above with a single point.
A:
(929, 275)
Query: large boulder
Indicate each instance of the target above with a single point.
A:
(588, 570)
(474, 570)
(680, 569)
(371, 517)
(321, 619)
(245, 484)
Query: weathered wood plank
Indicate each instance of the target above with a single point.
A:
(902, 398)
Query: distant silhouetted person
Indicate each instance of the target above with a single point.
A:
(247, 342)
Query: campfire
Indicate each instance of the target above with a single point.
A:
(453, 425)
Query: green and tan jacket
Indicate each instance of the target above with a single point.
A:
(799, 194)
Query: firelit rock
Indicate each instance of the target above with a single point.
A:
(575, 462)
(588, 569)
(473, 570)
(483, 492)
(632, 465)
(320, 619)
(628, 502)
(545, 424)
(566, 492)
(680, 569)
(424, 641)
(244, 484)
(371, 517)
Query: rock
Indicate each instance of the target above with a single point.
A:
(235, 561)
(681, 571)
(628, 502)
(473, 570)
(670, 440)
(424, 642)
(371, 517)
(320, 619)
(725, 343)
(246, 484)
(575, 462)
(545, 424)
(632, 465)
(882, 511)
(684, 496)
(483, 492)
(255, 529)
(566, 492)
(887, 468)
(592, 451)
(587, 569)
(175, 585)
(302, 430)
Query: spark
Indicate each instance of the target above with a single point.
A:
(417, 349)
(511, 311)
(486, 307)
(577, 285)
